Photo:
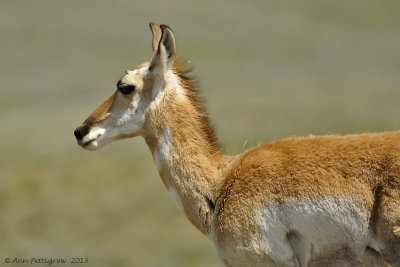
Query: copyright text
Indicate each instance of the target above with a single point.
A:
(46, 261)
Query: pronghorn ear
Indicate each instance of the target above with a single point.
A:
(164, 54)
(156, 30)
(168, 41)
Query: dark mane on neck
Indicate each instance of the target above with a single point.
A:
(190, 86)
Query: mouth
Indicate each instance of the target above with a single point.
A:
(91, 140)
(90, 144)
(85, 144)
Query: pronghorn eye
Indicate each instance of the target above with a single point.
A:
(126, 88)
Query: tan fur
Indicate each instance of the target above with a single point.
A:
(100, 113)
(264, 206)
(200, 180)
(362, 167)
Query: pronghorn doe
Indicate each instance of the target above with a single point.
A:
(307, 201)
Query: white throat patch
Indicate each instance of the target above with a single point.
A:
(177, 199)
(161, 153)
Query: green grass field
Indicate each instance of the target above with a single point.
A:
(267, 69)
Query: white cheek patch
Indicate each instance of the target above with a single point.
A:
(131, 121)
(162, 151)
(177, 199)
(322, 222)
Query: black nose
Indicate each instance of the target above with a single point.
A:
(81, 131)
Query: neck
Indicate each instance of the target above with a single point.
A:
(185, 151)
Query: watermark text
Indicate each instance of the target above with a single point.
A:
(46, 261)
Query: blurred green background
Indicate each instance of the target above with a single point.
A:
(268, 69)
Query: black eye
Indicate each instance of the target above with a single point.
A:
(125, 88)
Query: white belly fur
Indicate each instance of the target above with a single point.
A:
(325, 224)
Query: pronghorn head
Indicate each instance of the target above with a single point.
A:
(124, 113)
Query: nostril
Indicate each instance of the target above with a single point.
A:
(78, 134)
(81, 131)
